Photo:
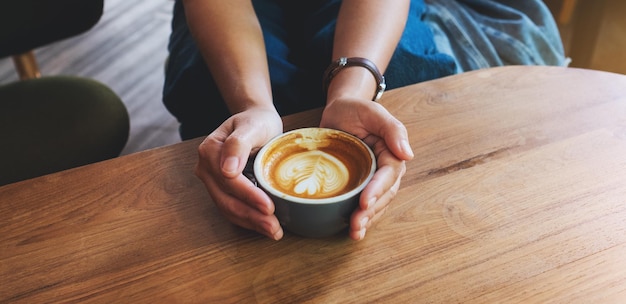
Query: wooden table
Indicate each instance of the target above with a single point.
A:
(517, 194)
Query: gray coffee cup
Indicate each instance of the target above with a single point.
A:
(314, 177)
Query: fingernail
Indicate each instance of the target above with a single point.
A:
(278, 235)
(407, 147)
(230, 164)
(363, 223)
(370, 202)
(361, 234)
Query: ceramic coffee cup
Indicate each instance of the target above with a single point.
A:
(315, 177)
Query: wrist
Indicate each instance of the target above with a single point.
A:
(242, 99)
(351, 72)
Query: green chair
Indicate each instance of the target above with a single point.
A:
(53, 123)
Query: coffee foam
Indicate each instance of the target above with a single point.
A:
(316, 165)
(312, 173)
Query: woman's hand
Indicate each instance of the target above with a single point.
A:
(222, 159)
(388, 138)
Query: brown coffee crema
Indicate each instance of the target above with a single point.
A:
(317, 165)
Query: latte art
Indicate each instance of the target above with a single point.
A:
(314, 165)
(313, 173)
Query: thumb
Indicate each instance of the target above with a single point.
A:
(235, 153)
(398, 142)
(395, 135)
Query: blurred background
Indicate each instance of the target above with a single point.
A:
(126, 50)
(593, 32)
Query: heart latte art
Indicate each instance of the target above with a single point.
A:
(312, 174)
(315, 163)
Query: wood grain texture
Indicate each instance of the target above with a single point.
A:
(516, 195)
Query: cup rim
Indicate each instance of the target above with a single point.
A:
(318, 201)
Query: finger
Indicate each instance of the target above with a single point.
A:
(362, 217)
(379, 208)
(362, 220)
(239, 188)
(244, 208)
(372, 205)
(235, 153)
(397, 139)
(246, 135)
(242, 215)
(392, 131)
(390, 170)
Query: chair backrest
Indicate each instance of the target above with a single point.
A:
(29, 24)
(58, 122)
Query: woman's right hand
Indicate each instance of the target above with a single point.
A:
(222, 159)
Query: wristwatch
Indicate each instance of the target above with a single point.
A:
(345, 62)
